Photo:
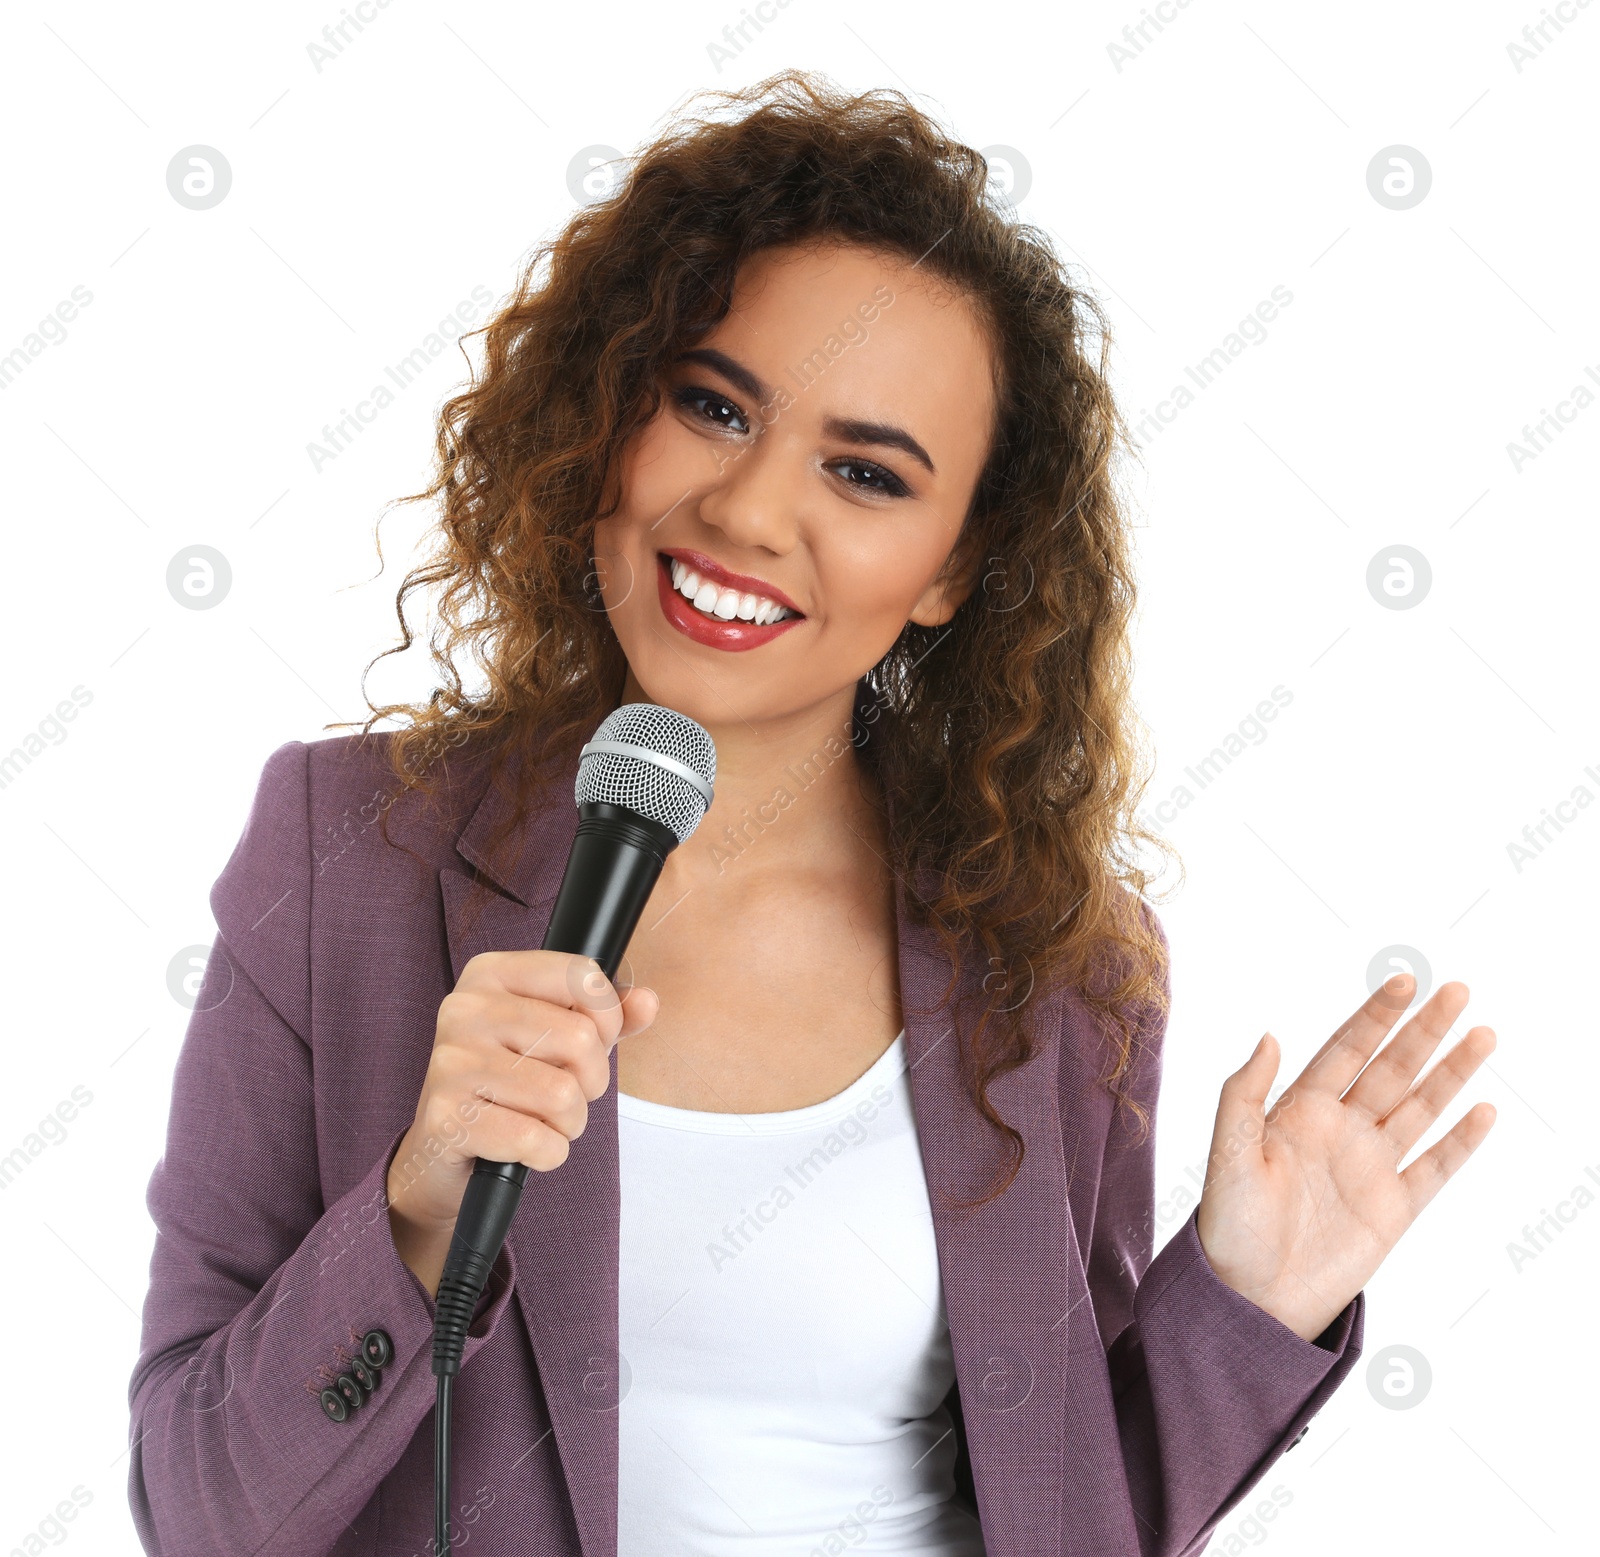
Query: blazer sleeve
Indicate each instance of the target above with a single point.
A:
(261, 1287)
(1210, 1389)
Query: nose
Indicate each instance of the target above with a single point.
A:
(753, 499)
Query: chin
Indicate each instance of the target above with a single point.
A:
(732, 689)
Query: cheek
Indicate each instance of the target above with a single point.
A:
(623, 543)
(622, 565)
(863, 617)
(663, 459)
(878, 587)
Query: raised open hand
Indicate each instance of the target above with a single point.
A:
(1301, 1205)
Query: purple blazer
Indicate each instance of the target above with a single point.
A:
(1106, 1402)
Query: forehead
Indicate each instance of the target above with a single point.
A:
(853, 331)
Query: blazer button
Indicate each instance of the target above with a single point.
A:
(365, 1374)
(1298, 1436)
(377, 1349)
(333, 1405)
(354, 1396)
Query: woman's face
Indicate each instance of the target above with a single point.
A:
(815, 455)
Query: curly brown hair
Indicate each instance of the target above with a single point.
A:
(1004, 742)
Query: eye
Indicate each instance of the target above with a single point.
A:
(694, 396)
(892, 485)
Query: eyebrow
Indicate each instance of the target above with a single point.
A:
(850, 429)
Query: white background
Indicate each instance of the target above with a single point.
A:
(1229, 156)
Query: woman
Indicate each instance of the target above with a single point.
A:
(804, 436)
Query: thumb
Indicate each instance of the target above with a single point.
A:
(639, 1007)
(1241, 1112)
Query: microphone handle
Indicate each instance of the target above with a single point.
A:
(613, 868)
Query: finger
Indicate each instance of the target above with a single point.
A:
(1241, 1111)
(1338, 1062)
(1436, 1166)
(541, 1030)
(580, 1053)
(1410, 1119)
(507, 1135)
(591, 991)
(640, 1005)
(558, 1094)
(562, 978)
(1385, 1081)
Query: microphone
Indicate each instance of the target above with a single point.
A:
(644, 782)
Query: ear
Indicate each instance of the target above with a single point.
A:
(951, 585)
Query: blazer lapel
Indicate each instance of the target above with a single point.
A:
(1014, 1286)
(1013, 1281)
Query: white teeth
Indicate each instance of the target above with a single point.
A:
(725, 604)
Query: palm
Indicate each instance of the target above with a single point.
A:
(1302, 1203)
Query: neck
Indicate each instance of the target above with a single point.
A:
(789, 790)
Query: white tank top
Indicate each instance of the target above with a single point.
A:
(783, 1334)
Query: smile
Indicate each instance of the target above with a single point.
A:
(719, 608)
(711, 599)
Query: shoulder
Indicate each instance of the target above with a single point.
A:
(315, 795)
(312, 833)
(351, 782)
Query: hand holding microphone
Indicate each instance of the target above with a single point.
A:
(522, 1047)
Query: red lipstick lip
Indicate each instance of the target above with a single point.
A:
(707, 567)
(732, 636)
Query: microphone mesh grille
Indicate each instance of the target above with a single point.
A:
(639, 784)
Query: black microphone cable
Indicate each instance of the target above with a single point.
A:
(644, 782)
